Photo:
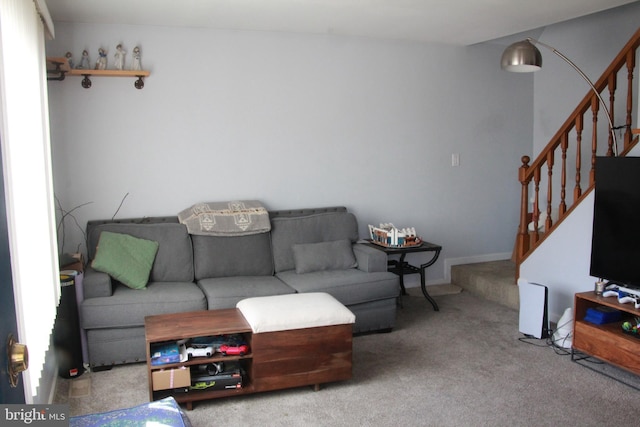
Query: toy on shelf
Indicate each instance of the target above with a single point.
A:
(119, 57)
(168, 352)
(389, 236)
(232, 344)
(101, 63)
(234, 349)
(136, 65)
(84, 60)
(632, 327)
(199, 352)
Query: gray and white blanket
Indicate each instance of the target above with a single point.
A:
(235, 218)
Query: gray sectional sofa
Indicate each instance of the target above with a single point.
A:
(308, 250)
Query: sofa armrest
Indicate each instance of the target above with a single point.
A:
(96, 284)
(370, 259)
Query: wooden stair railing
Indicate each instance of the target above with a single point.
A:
(568, 142)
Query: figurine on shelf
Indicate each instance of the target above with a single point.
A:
(84, 60)
(69, 57)
(136, 65)
(119, 57)
(101, 63)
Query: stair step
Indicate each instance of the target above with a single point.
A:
(494, 281)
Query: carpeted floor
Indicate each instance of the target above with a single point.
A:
(435, 290)
(461, 366)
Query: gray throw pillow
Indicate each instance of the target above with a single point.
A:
(333, 255)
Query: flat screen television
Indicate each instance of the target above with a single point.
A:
(615, 245)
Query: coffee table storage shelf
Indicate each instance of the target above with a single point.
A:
(607, 342)
(276, 360)
(175, 327)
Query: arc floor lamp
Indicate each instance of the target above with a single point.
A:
(524, 57)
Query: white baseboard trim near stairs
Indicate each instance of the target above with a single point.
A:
(412, 281)
(449, 262)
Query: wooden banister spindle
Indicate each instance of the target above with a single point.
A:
(550, 160)
(536, 203)
(522, 240)
(577, 190)
(631, 63)
(563, 177)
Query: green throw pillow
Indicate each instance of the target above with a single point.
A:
(126, 258)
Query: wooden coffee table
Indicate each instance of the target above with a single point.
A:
(277, 360)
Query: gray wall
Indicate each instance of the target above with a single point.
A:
(296, 121)
(591, 43)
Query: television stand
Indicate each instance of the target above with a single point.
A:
(606, 342)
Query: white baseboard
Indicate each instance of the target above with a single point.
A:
(412, 281)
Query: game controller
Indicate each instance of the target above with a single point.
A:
(626, 298)
(623, 297)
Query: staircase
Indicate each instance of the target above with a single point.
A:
(489, 280)
(546, 182)
(544, 202)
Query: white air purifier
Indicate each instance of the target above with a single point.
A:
(533, 309)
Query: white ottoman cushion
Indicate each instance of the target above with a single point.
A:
(294, 311)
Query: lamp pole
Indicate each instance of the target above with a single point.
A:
(515, 62)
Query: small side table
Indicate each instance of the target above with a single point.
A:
(401, 267)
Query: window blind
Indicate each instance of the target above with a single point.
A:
(24, 123)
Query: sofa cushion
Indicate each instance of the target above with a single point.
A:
(324, 227)
(333, 255)
(96, 284)
(116, 345)
(126, 258)
(174, 260)
(225, 292)
(351, 286)
(216, 256)
(374, 315)
(370, 259)
(294, 311)
(128, 307)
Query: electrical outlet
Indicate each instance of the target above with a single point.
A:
(455, 159)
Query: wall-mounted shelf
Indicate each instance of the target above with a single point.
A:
(86, 82)
(58, 68)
